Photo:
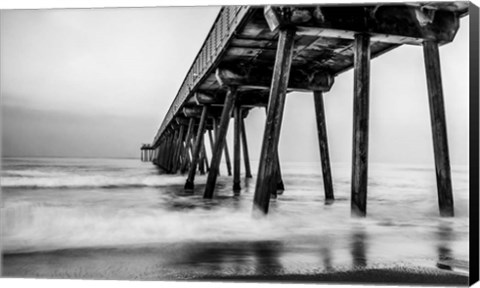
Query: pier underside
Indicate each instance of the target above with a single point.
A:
(253, 56)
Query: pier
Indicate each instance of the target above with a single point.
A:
(253, 56)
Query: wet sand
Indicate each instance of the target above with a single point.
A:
(260, 261)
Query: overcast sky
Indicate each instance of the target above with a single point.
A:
(98, 82)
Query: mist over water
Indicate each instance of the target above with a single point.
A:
(58, 204)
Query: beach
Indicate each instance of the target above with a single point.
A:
(124, 219)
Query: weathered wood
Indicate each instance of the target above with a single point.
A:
(246, 158)
(210, 138)
(397, 24)
(267, 168)
(205, 157)
(178, 150)
(439, 128)
(246, 75)
(201, 161)
(280, 187)
(360, 125)
(171, 148)
(205, 99)
(219, 142)
(227, 159)
(211, 141)
(196, 151)
(323, 144)
(186, 148)
(246, 98)
(332, 28)
(237, 116)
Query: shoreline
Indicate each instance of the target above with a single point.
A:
(149, 264)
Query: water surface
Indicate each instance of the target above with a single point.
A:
(124, 219)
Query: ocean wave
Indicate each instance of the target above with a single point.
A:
(90, 181)
(31, 227)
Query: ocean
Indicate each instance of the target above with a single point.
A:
(125, 219)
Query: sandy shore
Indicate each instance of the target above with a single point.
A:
(394, 275)
(249, 262)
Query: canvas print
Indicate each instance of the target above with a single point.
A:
(324, 143)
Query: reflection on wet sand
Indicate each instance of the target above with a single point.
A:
(236, 258)
(358, 247)
(326, 255)
(444, 235)
(267, 256)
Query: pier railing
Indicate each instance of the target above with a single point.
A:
(221, 32)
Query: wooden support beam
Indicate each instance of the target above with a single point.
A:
(280, 187)
(210, 138)
(323, 144)
(225, 147)
(227, 159)
(196, 151)
(245, 98)
(201, 162)
(178, 149)
(205, 157)
(186, 149)
(205, 99)
(196, 111)
(171, 148)
(439, 128)
(219, 142)
(396, 24)
(246, 75)
(212, 146)
(360, 125)
(267, 168)
(237, 116)
(246, 158)
(161, 153)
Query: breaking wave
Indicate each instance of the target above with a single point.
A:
(89, 181)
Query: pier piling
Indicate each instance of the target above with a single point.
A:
(246, 158)
(323, 144)
(230, 99)
(186, 154)
(360, 125)
(267, 166)
(237, 112)
(196, 150)
(227, 159)
(439, 128)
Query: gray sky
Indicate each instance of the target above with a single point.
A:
(98, 82)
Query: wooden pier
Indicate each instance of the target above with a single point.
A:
(253, 56)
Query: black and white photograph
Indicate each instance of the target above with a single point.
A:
(305, 142)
